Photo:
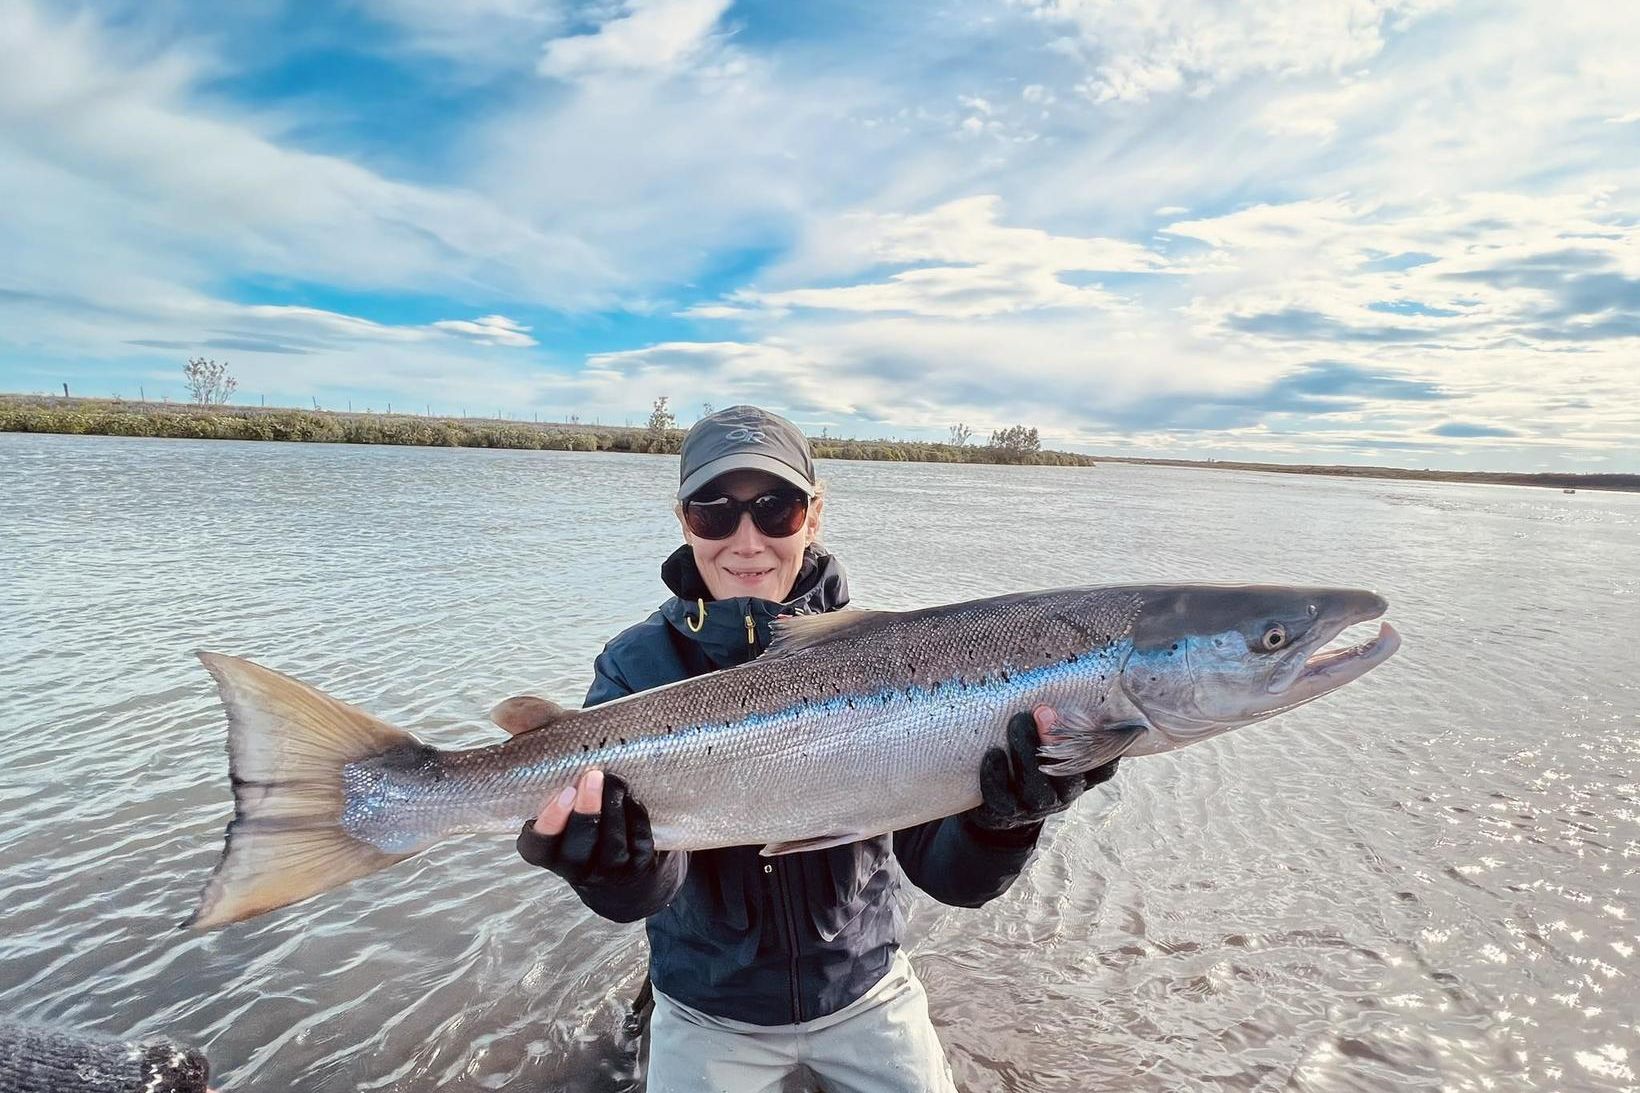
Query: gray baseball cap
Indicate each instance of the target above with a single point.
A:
(744, 438)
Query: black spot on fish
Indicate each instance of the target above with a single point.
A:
(622, 739)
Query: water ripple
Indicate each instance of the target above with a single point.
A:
(1426, 882)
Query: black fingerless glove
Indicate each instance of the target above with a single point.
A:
(613, 846)
(1017, 792)
(51, 1060)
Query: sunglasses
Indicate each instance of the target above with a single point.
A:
(777, 514)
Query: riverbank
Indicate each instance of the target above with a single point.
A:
(1550, 479)
(118, 417)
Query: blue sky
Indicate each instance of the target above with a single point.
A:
(1353, 231)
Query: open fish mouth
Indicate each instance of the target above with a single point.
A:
(1332, 668)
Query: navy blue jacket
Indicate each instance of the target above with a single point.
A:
(775, 941)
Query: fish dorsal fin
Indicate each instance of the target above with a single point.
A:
(525, 713)
(794, 632)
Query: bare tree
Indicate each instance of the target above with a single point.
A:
(960, 434)
(706, 409)
(209, 383)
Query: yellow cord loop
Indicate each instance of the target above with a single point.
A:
(694, 627)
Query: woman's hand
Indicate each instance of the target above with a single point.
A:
(1017, 792)
(592, 833)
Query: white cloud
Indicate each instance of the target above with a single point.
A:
(983, 267)
(484, 33)
(1318, 113)
(649, 36)
(715, 311)
(895, 235)
(489, 330)
(125, 149)
(1141, 48)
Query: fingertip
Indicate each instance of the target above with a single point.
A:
(589, 794)
(555, 813)
(1046, 718)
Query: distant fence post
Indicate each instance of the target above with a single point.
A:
(65, 390)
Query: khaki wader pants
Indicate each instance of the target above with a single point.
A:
(883, 1042)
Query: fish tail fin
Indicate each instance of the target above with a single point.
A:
(287, 744)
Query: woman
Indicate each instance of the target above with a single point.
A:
(764, 965)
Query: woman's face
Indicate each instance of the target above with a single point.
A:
(749, 563)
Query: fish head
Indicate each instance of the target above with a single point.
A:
(1210, 658)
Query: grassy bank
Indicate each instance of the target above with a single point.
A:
(113, 417)
(1628, 482)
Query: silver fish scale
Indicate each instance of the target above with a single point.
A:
(877, 728)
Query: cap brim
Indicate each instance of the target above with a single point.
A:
(744, 461)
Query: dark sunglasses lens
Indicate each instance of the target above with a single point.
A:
(778, 515)
(712, 519)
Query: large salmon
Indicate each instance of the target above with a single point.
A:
(852, 724)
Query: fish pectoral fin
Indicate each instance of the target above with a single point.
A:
(1081, 745)
(525, 713)
(819, 842)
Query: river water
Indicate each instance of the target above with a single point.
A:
(1424, 882)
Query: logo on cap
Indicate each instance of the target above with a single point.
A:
(743, 433)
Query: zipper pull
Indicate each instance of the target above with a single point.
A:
(751, 630)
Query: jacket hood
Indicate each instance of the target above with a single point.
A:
(720, 628)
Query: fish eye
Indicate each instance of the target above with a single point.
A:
(1275, 636)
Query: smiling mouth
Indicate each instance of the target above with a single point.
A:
(748, 574)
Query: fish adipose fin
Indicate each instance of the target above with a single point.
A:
(287, 744)
(819, 842)
(1080, 745)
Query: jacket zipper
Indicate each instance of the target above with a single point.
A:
(751, 630)
(791, 934)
